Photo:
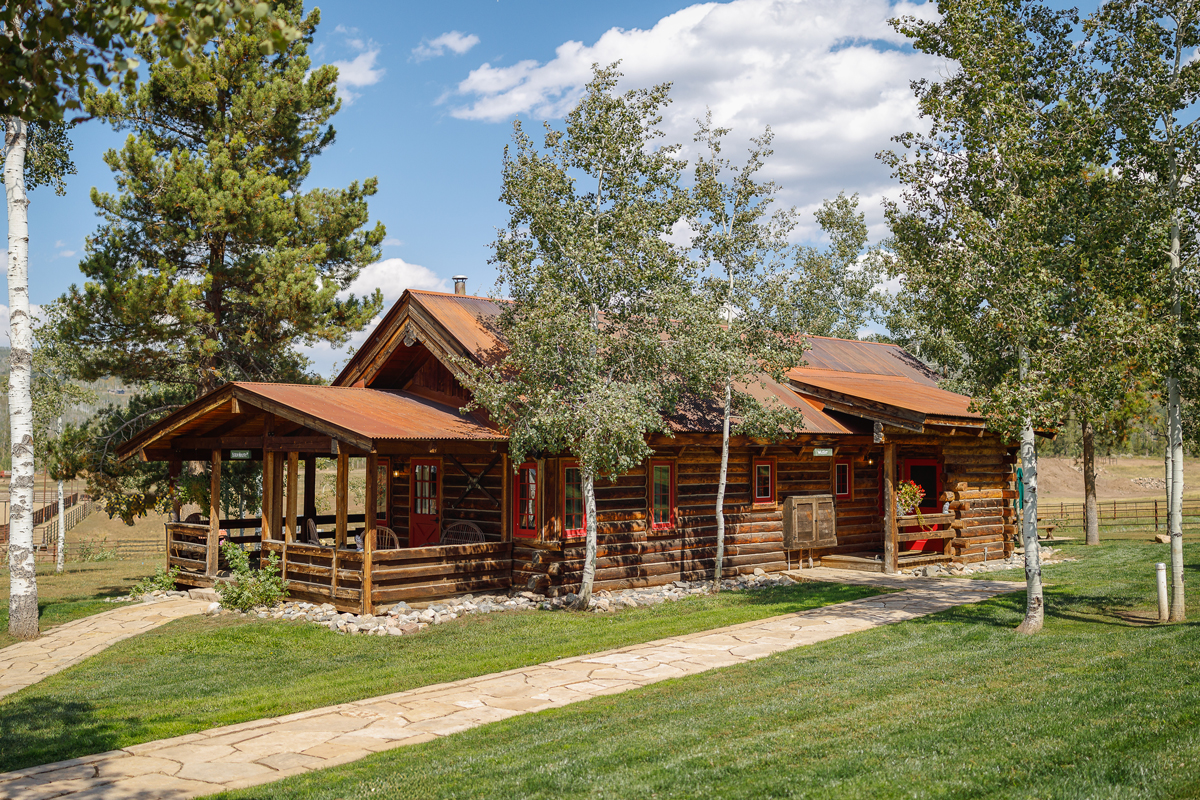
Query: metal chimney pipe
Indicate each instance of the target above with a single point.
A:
(460, 284)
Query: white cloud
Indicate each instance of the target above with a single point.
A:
(393, 275)
(359, 72)
(455, 42)
(829, 77)
(66, 253)
(392, 242)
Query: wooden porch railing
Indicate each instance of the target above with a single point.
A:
(323, 574)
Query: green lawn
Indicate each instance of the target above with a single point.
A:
(202, 672)
(950, 706)
(77, 592)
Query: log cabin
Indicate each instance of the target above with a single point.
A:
(444, 511)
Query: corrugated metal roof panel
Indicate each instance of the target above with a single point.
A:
(866, 358)
(471, 320)
(706, 416)
(372, 413)
(892, 390)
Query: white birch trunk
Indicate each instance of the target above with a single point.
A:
(61, 556)
(22, 601)
(1175, 488)
(584, 597)
(720, 565)
(1034, 601)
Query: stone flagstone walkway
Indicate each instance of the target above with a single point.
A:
(26, 663)
(266, 750)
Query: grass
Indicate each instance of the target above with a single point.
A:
(201, 672)
(77, 592)
(954, 705)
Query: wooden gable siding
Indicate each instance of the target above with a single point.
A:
(402, 337)
(432, 379)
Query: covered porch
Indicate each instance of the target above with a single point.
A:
(398, 530)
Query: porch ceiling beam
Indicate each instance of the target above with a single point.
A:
(275, 444)
(229, 425)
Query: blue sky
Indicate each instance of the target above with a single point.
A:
(431, 90)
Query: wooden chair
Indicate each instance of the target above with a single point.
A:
(386, 539)
(462, 532)
(311, 534)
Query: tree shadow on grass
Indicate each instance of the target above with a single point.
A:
(40, 730)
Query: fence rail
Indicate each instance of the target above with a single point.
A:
(1150, 514)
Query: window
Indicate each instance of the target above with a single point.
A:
(574, 516)
(525, 516)
(926, 473)
(383, 491)
(662, 494)
(842, 481)
(764, 481)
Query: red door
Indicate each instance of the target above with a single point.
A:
(423, 529)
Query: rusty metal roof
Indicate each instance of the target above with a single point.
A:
(469, 319)
(866, 358)
(358, 416)
(706, 416)
(372, 413)
(889, 390)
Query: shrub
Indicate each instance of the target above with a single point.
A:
(250, 587)
(94, 550)
(162, 580)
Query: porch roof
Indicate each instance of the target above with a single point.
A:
(359, 417)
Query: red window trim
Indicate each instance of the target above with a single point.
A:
(670, 523)
(849, 479)
(572, 533)
(518, 531)
(763, 499)
(935, 501)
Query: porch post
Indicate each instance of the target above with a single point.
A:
(293, 492)
(891, 558)
(268, 483)
(310, 485)
(277, 464)
(370, 520)
(341, 495)
(214, 514)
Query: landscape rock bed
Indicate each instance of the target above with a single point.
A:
(1049, 555)
(402, 619)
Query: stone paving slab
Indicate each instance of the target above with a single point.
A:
(262, 751)
(26, 663)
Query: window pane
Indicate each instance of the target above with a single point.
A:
(527, 498)
(573, 499)
(762, 483)
(660, 512)
(843, 479)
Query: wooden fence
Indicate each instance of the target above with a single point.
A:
(1149, 515)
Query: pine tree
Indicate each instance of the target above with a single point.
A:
(212, 262)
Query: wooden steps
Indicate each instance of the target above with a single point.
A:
(873, 561)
